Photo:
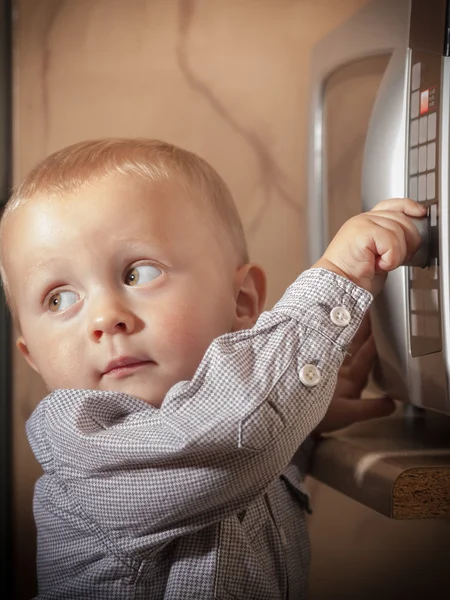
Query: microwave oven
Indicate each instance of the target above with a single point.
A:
(380, 128)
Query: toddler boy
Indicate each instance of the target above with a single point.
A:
(176, 406)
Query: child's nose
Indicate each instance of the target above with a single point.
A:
(110, 316)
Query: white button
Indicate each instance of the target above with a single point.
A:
(340, 316)
(309, 375)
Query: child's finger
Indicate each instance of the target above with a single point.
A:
(404, 205)
(389, 218)
(395, 238)
(388, 244)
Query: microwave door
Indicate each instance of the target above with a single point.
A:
(384, 176)
(400, 150)
(406, 154)
(363, 44)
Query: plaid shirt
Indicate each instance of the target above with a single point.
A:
(201, 498)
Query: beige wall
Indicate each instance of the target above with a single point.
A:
(227, 79)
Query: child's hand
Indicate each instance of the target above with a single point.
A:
(371, 244)
(347, 406)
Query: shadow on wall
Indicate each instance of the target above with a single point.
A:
(273, 180)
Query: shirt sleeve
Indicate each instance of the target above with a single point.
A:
(218, 440)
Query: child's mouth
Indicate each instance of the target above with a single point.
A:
(125, 365)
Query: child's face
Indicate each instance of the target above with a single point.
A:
(121, 287)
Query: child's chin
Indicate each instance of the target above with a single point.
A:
(142, 390)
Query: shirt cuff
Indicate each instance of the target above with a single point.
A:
(322, 300)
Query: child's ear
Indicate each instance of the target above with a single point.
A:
(23, 349)
(250, 296)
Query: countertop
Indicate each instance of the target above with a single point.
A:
(399, 465)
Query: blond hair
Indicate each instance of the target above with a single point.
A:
(67, 170)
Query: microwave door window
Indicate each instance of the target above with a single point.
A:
(349, 96)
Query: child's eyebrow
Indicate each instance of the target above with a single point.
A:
(135, 243)
(34, 271)
(141, 242)
(140, 238)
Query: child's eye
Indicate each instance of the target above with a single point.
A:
(141, 274)
(61, 300)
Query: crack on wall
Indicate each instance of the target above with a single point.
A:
(53, 11)
(272, 178)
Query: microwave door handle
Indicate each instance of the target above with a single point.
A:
(379, 28)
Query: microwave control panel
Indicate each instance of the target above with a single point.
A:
(423, 186)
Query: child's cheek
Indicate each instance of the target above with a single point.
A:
(62, 365)
(183, 341)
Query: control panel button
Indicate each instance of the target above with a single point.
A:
(431, 186)
(415, 100)
(413, 188)
(432, 126)
(431, 156)
(422, 159)
(414, 133)
(422, 188)
(415, 76)
(417, 325)
(423, 129)
(413, 161)
(417, 299)
(433, 216)
(432, 328)
(432, 300)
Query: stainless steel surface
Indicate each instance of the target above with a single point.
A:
(428, 370)
(383, 176)
(444, 219)
(368, 461)
(405, 154)
(377, 29)
(422, 257)
(411, 364)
